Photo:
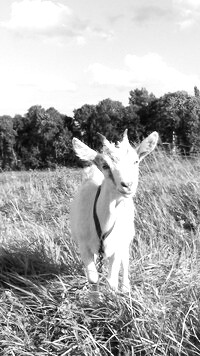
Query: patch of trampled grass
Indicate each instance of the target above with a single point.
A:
(46, 306)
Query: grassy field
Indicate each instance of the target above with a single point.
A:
(46, 306)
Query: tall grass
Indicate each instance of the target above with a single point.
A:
(46, 306)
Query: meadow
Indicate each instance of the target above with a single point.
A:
(46, 305)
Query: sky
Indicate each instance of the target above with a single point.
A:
(68, 53)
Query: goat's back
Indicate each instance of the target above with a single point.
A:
(81, 214)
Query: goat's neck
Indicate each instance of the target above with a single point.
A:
(106, 206)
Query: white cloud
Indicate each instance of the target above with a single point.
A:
(37, 15)
(23, 77)
(184, 13)
(188, 13)
(186, 23)
(103, 75)
(54, 84)
(49, 19)
(152, 12)
(21, 88)
(188, 3)
(149, 71)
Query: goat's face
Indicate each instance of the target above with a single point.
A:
(119, 163)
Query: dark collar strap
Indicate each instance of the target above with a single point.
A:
(96, 219)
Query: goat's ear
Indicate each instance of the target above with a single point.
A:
(104, 141)
(125, 139)
(125, 135)
(147, 145)
(83, 151)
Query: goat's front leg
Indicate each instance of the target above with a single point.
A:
(113, 271)
(125, 270)
(88, 260)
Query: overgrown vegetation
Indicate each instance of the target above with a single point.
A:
(46, 306)
(41, 138)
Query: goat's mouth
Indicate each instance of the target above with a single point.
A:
(125, 193)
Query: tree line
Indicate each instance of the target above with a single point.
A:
(42, 138)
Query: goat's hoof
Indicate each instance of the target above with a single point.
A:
(114, 289)
(94, 294)
(126, 289)
(93, 287)
(93, 277)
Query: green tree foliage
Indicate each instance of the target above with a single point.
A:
(139, 101)
(42, 138)
(106, 118)
(84, 125)
(32, 152)
(7, 141)
(131, 121)
(164, 116)
(176, 115)
(110, 115)
(189, 130)
(196, 92)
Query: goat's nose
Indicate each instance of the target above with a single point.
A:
(126, 185)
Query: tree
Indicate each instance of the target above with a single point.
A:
(31, 136)
(131, 121)
(196, 92)
(105, 118)
(7, 142)
(164, 116)
(57, 138)
(43, 138)
(110, 119)
(19, 126)
(189, 130)
(84, 123)
(176, 115)
(139, 102)
(140, 98)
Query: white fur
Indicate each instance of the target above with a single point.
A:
(114, 205)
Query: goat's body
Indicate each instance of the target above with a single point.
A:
(83, 229)
(112, 210)
(117, 174)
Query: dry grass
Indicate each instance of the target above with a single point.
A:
(46, 306)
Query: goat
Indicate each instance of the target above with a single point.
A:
(102, 212)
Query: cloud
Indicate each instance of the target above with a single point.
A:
(48, 19)
(188, 13)
(182, 13)
(43, 17)
(21, 88)
(151, 13)
(149, 71)
(24, 79)
(188, 3)
(36, 15)
(101, 33)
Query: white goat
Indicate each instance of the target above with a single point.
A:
(102, 212)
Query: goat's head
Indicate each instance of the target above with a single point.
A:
(119, 163)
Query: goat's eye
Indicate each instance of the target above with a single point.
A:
(105, 166)
(136, 162)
